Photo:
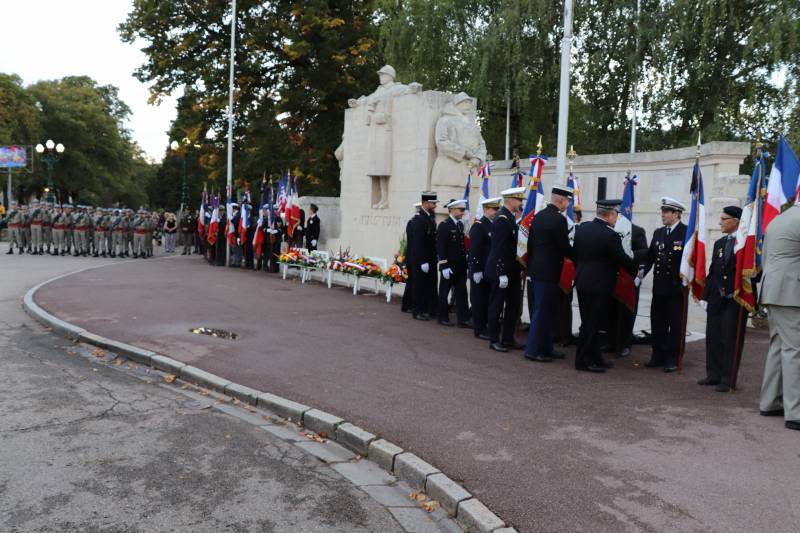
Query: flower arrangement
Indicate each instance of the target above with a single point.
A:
(338, 260)
(398, 271)
(292, 256)
(363, 266)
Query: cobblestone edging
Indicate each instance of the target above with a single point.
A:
(471, 514)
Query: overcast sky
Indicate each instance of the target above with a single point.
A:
(49, 39)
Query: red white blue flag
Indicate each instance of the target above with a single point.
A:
(784, 181)
(693, 261)
(534, 203)
(750, 237)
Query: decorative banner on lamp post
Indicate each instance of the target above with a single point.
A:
(13, 157)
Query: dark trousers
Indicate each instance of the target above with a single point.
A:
(593, 307)
(722, 346)
(425, 300)
(545, 306)
(479, 297)
(666, 326)
(458, 282)
(505, 303)
(407, 304)
(564, 318)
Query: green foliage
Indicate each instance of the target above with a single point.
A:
(19, 117)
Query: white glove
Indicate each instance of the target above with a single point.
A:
(446, 273)
(477, 277)
(704, 305)
(425, 267)
(503, 282)
(314, 242)
(637, 281)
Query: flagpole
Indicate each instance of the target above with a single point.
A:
(563, 103)
(230, 124)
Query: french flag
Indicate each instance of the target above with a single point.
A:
(213, 224)
(625, 289)
(244, 219)
(693, 261)
(784, 182)
(293, 207)
(202, 216)
(750, 238)
(567, 278)
(282, 193)
(534, 203)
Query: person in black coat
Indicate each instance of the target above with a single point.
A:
(250, 232)
(480, 237)
(312, 228)
(548, 245)
(276, 235)
(423, 253)
(299, 230)
(727, 319)
(503, 273)
(452, 253)
(407, 304)
(598, 257)
(620, 326)
(667, 322)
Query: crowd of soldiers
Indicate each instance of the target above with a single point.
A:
(441, 261)
(80, 230)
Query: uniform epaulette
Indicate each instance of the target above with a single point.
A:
(477, 221)
(503, 216)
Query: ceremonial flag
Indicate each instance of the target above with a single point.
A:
(293, 207)
(693, 261)
(282, 193)
(271, 204)
(244, 218)
(625, 288)
(534, 203)
(213, 225)
(258, 236)
(484, 172)
(201, 218)
(782, 187)
(516, 175)
(750, 238)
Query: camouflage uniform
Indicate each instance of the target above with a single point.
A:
(140, 224)
(69, 232)
(36, 227)
(100, 223)
(47, 225)
(59, 226)
(14, 221)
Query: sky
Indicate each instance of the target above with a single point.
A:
(51, 39)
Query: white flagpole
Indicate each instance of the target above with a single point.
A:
(563, 104)
(230, 123)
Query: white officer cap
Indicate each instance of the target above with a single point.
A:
(672, 204)
(563, 190)
(514, 192)
(492, 202)
(457, 204)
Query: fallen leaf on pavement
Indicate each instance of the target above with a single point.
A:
(430, 506)
(236, 401)
(118, 362)
(413, 495)
(170, 378)
(184, 386)
(99, 352)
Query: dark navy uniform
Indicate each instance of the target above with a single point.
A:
(598, 257)
(408, 293)
(480, 241)
(423, 251)
(620, 326)
(312, 232)
(666, 310)
(502, 261)
(548, 245)
(724, 320)
(452, 253)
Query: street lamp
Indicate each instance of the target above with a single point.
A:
(182, 145)
(50, 153)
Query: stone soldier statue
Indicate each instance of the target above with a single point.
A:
(458, 142)
(14, 221)
(36, 227)
(379, 119)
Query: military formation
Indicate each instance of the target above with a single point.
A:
(443, 259)
(43, 228)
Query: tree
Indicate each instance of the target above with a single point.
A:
(19, 117)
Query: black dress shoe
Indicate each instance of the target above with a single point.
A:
(722, 388)
(446, 323)
(514, 345)
(484, 336)
(10, 251)
(556, 355)
(653, 364)
(466, 325)
(793, 424)
(605, 364)
(591, 368)
(708, 381)
(422, 316)
(776, 412)
(670, 369)
(538, 358)
(498, 347)
(625, 352)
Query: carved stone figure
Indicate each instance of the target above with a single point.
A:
(458, 143)
(379, 120)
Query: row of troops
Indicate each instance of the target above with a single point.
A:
(442, 261)
(274, 238)
(44, 228)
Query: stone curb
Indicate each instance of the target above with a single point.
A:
(472, 514)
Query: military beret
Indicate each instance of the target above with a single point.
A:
(733, 210)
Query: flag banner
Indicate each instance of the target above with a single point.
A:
(750, 238)
(693, 260)
(567, 278)
(213, 224)
(625, 288)
(466, 218)
(534, 203)
(293, 207)
(484, 173)
(201, 217)
(783, 181)
(244, 218)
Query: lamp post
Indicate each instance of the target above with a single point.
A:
(50, 153)
(181, 147)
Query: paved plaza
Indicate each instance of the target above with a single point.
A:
(545, 447)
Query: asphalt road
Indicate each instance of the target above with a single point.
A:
(546, 447)
(84, 447)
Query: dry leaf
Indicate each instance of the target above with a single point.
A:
(131, 366)
(118, 361)
(322, 435)
(169, 378)
(431, 506)
(413, 495)
(421, 498)
(251, 409)
(184, 386)
(99, 352)
(236, 401)
(204, 392)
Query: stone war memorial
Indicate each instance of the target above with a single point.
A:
(401, 140)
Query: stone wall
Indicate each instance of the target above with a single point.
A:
(330, 216)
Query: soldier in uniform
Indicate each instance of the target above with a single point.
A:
(598, 256)
(503, 273)
(140, 223)
(69, 221)
(100, 224)
(727, 320)
(666, 311)
(423, 257)
(81, 224)
(36, 227)
(188, 226)
(407, 304)
(312, 228)
(47, 227)
(480, 241)
(222, 238)
(548, 246)
(14, 221)
(25, 226)
(90, 212)
(452, 253)
(129, 241)
(153, 229)
(236, 244)
(59, 224)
